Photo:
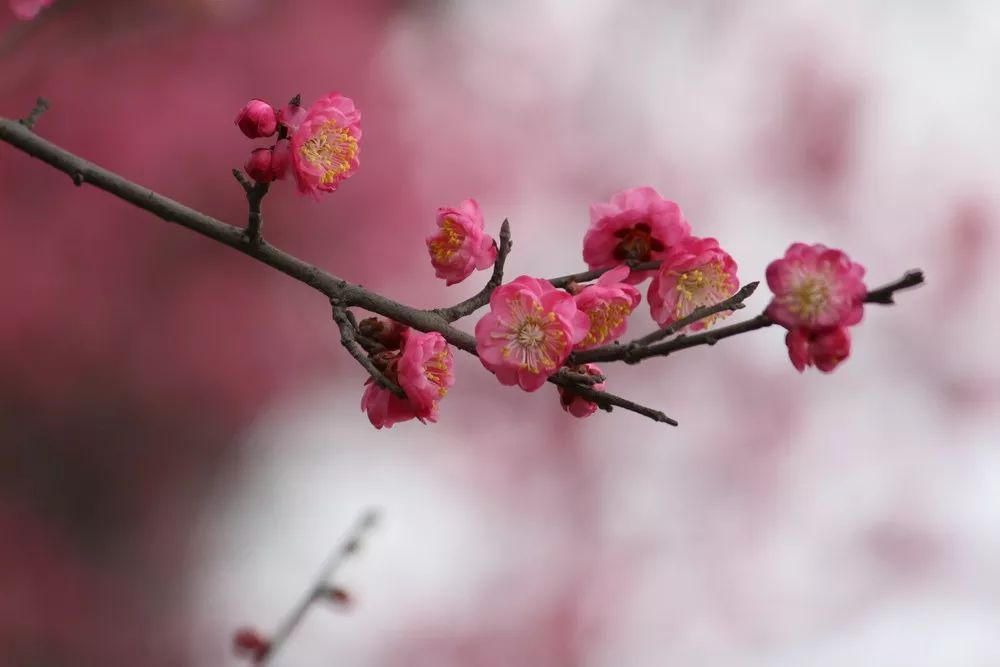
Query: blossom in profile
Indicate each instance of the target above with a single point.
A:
(423, 369)
(636, 225)
(530, 330)
(28, 9)
(577, 405)
(607, 304)
(694, 273)
(325, 145)
(815, 286)
(461, 244)
(257, 119)
(823, 348)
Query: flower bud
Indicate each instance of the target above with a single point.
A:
(257, 119)
(388, 333)
(281, 157)
(247, 642)
(260, 165)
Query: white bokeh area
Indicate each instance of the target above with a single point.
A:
(790, 520)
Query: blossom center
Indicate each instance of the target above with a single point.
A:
(332, 149)
(604, 319)
(436, 371)
(705, 285)
(809, 298)
(447, 243)
(637, 243)
(534, 338)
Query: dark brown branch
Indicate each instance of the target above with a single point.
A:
(586, 276)
(884, 295)
(477, 301)
(348, 338)
(606, 401)
(735, 302)
(348, 547)
(581, 378)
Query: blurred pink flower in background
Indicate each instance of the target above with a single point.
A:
(28, 9)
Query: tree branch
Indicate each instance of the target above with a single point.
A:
(477, 301)
(884, 295)
(735, 302)
(606, 401)
(586, 276)
(348, 338)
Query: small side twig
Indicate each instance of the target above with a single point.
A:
(884, 295)
(480, 299)
(581, 378)
(41, 106)
(606, 401)
(350, 545)
(348, 338)
(586, 276)
(735, 302)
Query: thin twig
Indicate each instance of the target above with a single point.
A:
(348, 338)
(606, 401)
(477, 301)
(41, 106)
(735, 302)
(581, 378)
(587, 276)
(884, 295)
(347, 547)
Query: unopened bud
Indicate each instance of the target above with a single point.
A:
(257, 119)
(260, 165)
(249, 643)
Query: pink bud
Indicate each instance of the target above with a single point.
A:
(247, 642)
(257, 119)
(260, 165)
(281, 157)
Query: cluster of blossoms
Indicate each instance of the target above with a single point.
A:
(320, 145)
(28, 9)
(818, 294)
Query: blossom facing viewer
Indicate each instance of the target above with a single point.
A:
(28, 9)
(607, 304)
(638, 225)
(326, 144)
(822, 348)
(423, 368)
(528, 333)
(815, 287)
(694, 273)
(461, 244)
(577, 405)
(257, 119)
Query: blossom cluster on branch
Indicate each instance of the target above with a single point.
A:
(535, 330)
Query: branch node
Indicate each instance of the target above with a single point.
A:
(41, 106)
(480, 299)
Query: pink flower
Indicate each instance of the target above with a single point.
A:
(325, 145)
(257, 119)
(461, 244)
(694, 273)
(575, 404)
(815, 286)
(637, 224)
(280, 159)
(607, 304)
(823, 348)
(28, 9)
(423, 370)
(528, 333)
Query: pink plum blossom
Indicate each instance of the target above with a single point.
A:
(694, 273)
(325, 145)
(257, 119)
(423, 368)
(637, 224)
(259, 166)
(461, 244)
(815, 286)
(822, 348)
(577, 405)
(28, 9)
(528, 333)
(607, 303)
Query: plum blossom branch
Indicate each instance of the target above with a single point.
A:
(348, 338)
(333, 287)
(635, 353)
(735, 302)
(606, 401)
(586, 276)
(477, 301)
(320, 587)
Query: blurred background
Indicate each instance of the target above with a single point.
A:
(180, 439)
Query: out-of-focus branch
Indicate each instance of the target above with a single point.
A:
(320, 587)
(477, 301)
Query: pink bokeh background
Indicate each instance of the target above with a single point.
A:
(180, 440)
